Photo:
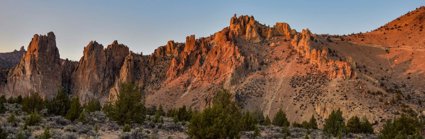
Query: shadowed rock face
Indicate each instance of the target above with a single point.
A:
(265, 68)
(7, 61)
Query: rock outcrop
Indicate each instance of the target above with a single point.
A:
(307, 45)
(97, 70)
(265, 68)
(39, 69)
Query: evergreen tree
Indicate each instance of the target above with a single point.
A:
(222, 120)
(354, 125)
(366, 126)
(267, 121)
(128, 108)
(313, 123)
(280, 119)
(335, 125)
(259, 117)
(403, 127)
(59, 105)
(2, 108)
(32, 103)
(248, 122)
(74, 110)
(92, 106)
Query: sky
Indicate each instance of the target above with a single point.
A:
(144, 25)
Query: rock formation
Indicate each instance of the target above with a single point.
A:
(265, 68)
(39, 69)
(97, 70)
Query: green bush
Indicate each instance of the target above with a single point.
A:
(83, 116)
(128, 108)
(59, 105)
(334, 124)
(401, 128)
(355, 125)
(222, 120)
(280, 119)
(92, 106)
(33, 119)
(157, 117)
(126, 128)
(74, 110)
(32, 103)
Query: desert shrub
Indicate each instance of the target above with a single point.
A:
(3, 134)
(403, 127)
(280, 119)
(74, 110)
(59, 105)
(128, 108)
(32, 103)
(12, 119)
(92, 106)
(334, 124)
(46, 134)
(222, 120)
(33, 119)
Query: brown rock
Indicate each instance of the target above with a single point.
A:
(38, 71)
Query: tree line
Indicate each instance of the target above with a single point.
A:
(223, 119)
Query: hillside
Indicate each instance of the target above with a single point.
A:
(377, 74)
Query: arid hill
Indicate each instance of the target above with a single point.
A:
(377, 74)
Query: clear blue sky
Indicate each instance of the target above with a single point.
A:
(144, 25)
